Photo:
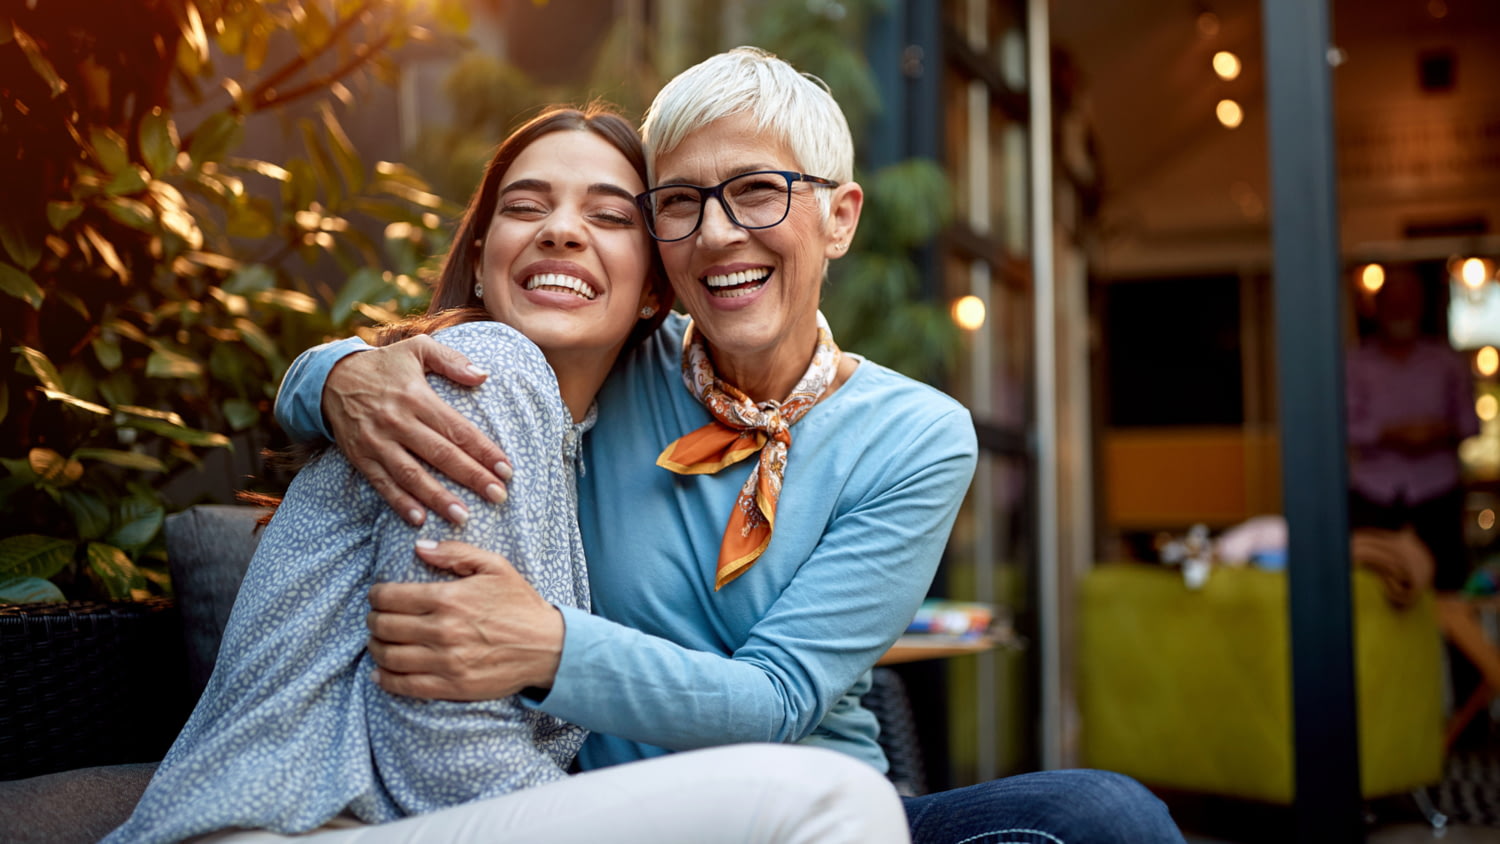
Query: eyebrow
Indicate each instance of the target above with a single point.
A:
(738, 171)
(542, 186)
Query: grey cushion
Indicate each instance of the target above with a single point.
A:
(208, 549)
(73, 807)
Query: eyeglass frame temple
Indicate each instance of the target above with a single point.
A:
(642, 200)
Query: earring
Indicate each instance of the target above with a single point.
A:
(478, 290)
(841, 246)
(648, 311)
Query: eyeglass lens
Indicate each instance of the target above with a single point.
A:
(752, 201)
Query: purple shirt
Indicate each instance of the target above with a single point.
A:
(1432, 382)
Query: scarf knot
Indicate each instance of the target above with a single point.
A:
(741, 428)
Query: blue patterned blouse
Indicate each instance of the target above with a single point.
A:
(291, 730)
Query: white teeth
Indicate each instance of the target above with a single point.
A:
(736, 279)
(560, 281)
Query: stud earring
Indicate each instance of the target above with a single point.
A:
(841, 246)
(648, 311)
(478, 290)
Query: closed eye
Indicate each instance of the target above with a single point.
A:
(615, 218)
(521, 208)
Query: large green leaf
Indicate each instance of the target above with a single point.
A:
(158, 137)
(42, 368)
(90, 513)
(344, 155)
(61, 213)
(133, 179)
(115, 572)
(241, 414)
(38, 61)
(108, 352)
(190, 436)
(131, 212)
(365, 285)
(28, 590)
(15, 283)
(34, 555)
(111, 151)
(167, 363)
(20, 244)
(139, 521)
(123, 459)
(214, 137)
(250, 278)
(257, 339)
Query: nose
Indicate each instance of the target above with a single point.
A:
(564, 229)
(717, 229)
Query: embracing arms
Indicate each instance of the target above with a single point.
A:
(378, 407)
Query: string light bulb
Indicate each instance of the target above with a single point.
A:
(1372, 278)
(1487, 361)
(1229, 113)
(968, 312)
(1474, 272)
(1226, 65)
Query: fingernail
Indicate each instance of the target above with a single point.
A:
(457, 514)
(416, 516)
(504, 470)
(474, 370)
(495, 493)
(427, 544)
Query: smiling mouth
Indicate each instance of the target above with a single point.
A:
(734, 285)
(559, 283)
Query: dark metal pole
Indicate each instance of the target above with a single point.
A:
(1310, 378)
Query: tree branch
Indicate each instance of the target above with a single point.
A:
(266, 87)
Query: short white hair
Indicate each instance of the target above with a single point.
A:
(795, 107)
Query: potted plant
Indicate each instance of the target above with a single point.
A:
(154, 283)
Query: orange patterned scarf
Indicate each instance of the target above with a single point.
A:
(742, 428)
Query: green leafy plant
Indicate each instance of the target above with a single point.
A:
(154, 282)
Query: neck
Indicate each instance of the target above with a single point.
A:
(765, 377)
(579, 378)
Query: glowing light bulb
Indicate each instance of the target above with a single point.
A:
(1487, 361)
(968, 312)
(1486, 519)
(1229, 113)
(1372, 277)
(1473, 272)
(1486, 408)
(1226, 65)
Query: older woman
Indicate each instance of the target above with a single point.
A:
(762, 512)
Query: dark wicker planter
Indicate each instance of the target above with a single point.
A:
(88, 683)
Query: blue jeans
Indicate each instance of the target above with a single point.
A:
(1047, 807)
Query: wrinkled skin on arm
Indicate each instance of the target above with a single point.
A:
(388, 422)
(483, 637)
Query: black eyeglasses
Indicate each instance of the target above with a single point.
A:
(756, 200)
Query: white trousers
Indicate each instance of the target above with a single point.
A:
(750, 793)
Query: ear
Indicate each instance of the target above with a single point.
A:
(649, 300)
(478, 259)
(843, 218)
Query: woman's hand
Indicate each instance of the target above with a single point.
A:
(483, 637)
(384, 416)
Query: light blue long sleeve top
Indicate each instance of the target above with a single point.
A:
(291, 731)
(875, 476)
